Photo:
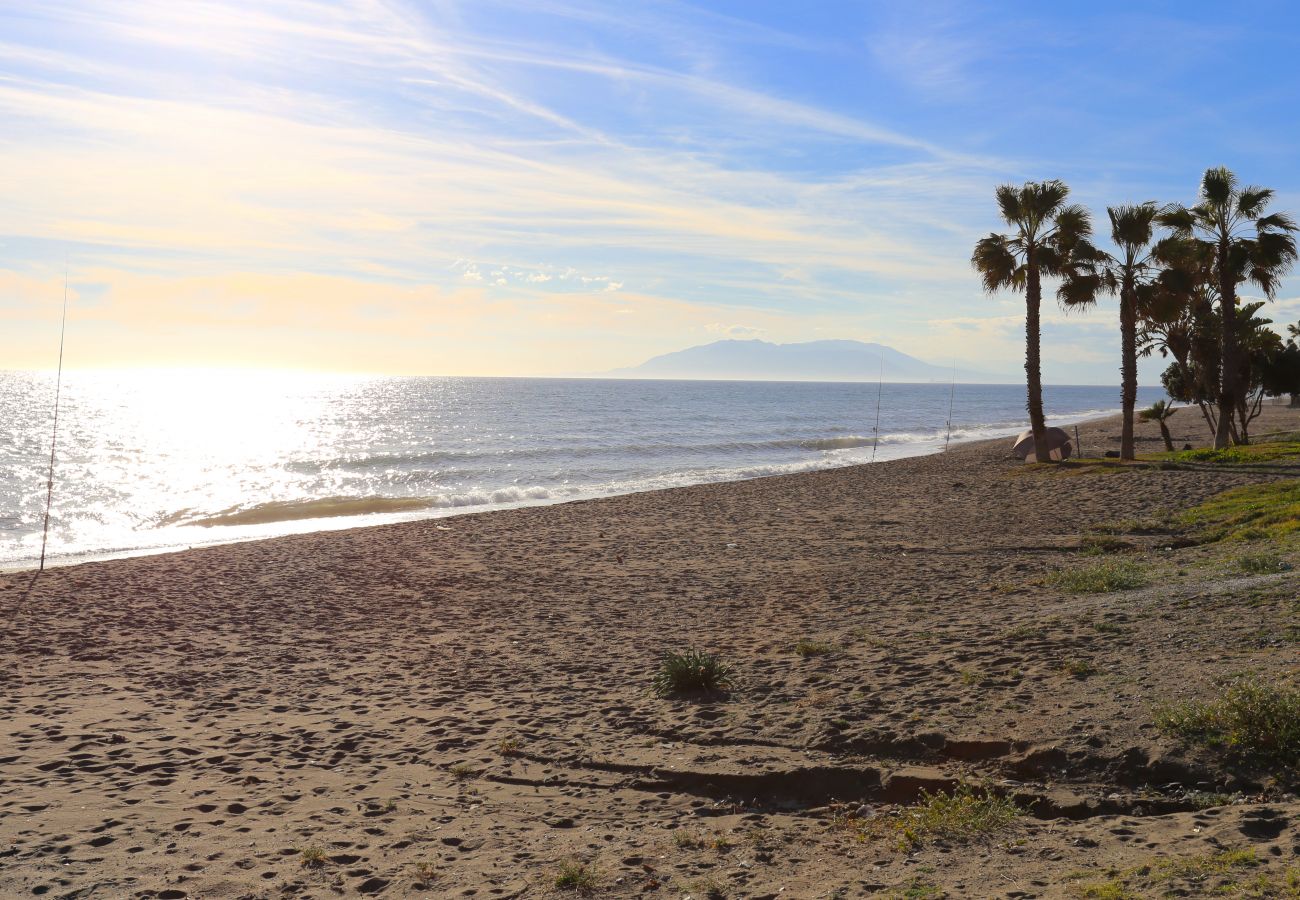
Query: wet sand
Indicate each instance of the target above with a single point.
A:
(456, 707)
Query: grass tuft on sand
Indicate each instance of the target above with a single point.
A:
(692, 672)
(1100, 578)
(311, 857)
(809, 647)
(963, 816)
(1251, 719)
(1262, 564)
(576, 876)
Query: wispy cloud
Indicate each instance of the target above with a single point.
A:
(644, 167)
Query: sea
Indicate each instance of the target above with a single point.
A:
(150, 461)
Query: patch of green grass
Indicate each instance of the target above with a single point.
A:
(808, 647)
(692, 672)
(1101, 578)
(1209, 799)
(1262, 564)
(1205, 865)
(508, 746)
(1106, 627)
(311, 857)
(1284, 887)
(962, 816)
(687, 840)
(1252, 719)
(1253, 512)
(1267, 451)
(1079, 668)
(1025, 633)
(917, 889)
(576, 876)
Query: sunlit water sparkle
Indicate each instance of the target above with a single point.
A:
(170, 459)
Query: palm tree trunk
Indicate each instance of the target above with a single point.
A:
(1168, 438)
(1228, 343)
(1128, 367)
(1033, 363)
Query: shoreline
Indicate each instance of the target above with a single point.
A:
(284, 528)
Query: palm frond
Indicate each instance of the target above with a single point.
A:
(1045, 197)
(1008, 197)
(1275, 222)
(996, 264)
(1079, 288)
(1073, 223)
(1252, 201)
(1178, 219)
(1218, 185)
(1132, 225)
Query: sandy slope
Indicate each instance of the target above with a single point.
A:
(185, 725)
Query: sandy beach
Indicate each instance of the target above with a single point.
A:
(463, 707)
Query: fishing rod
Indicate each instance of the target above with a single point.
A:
(952, 392)
(54, 434)
(875, 442)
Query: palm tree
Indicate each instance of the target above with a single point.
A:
(1159, 412)
(1246, 245)
(1131, 274)
(1045, 235)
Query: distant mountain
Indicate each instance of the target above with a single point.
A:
(809, 361)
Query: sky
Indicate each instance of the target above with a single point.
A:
(555, 187)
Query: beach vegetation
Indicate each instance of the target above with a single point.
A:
(809, 647)
(1262, 564)
(425, 872)
(311, 857)
(1100, 578)
(917, 889)
(1223, 241)
(962, 816)
(1204, 865)
(692, 672)
(1248, 513)
(509, 746)
(1215, 872)
(1250, 719)
(463, 771)
(1025, 633)
(685, 839)
(1046, 234)
(1079, 668)
(575, 875)
(1160, 412)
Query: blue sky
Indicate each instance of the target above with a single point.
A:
(558, 187)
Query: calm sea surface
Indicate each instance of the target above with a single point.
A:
(157, 460)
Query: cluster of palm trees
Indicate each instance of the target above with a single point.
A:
(1170, 264)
